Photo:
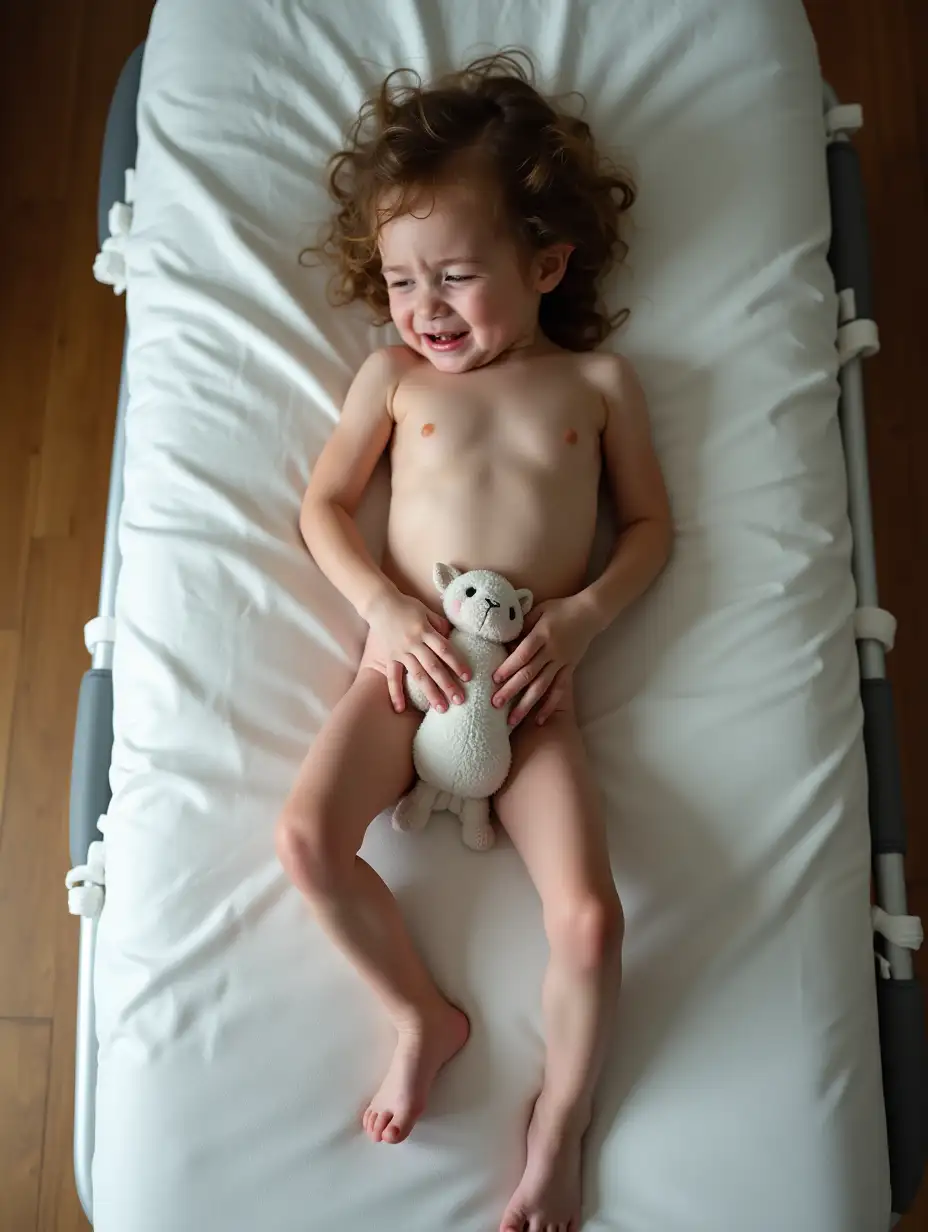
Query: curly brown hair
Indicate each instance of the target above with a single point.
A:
(556, 187)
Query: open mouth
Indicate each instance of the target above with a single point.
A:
(446, 341)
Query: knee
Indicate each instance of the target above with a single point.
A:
(307, 849)
(587, 930)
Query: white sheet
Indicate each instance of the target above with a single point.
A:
(236, 1049)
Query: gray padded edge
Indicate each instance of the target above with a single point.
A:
(120, 140)
(905, 1086)
(849, 254)
(90, 761)
(887, 818)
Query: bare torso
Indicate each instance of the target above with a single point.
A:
(497, 468)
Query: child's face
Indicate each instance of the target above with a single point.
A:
(460, 291)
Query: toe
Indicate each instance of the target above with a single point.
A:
(380, 1123)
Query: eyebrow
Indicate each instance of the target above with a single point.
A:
(397, 269)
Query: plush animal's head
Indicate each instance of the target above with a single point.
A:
(482, 602)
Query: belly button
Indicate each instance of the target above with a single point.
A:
(428, 429)
(570, 436)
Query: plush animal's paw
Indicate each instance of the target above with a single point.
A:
(477, 835)
(412, 813)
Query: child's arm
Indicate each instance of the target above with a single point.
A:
(338, 481)
(638, 491)
(560, 631)
(410, 634)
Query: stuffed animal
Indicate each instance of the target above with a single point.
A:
(462, 756)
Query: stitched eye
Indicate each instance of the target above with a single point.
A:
(471, 591)
(512, 613)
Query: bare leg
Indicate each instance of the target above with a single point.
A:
(551, 810)
(359, 764)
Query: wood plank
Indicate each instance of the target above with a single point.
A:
(81, 401)
(917, 1218)
(9, 661)
(24, 1054)
(40, 44)
(59, 1207)
(33, 840)
(30, 276)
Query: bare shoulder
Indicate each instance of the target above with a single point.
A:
(611, 375)
(384, 369)
(390, 363)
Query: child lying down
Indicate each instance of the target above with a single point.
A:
(481, 220)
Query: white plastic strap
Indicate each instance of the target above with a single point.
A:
(110, 262)
(100, 629)
(875, 624)
(903, 930)
(859, 337)
(844, 119)
(86, 882)
(847, 305)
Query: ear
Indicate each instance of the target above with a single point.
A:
(526, 599)
(443, 576)
(550, 266)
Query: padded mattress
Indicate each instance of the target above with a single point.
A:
(742, 1089)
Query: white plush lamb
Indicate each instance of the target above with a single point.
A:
(462, 756)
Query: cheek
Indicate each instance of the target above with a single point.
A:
(493, 306)
(399, 312)
(454, 607)
(482, 307)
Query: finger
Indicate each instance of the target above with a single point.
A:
(447, 653)
(433, 695)
(533, 694)
(552, 701)
(521, 680)
(450, 687)
(395, 686)
(522, 655)
(438, 622)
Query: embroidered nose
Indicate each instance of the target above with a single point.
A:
(491, 603)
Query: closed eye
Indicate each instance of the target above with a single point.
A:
(460, 277)
(399, 285)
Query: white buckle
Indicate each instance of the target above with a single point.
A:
(85, 883)
(903, 930)
(843, 120)
(875, 624)
(100, 629)
(859, 337)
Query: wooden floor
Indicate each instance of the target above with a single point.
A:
(60, 338)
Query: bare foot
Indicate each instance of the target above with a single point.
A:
(547, 1198)
(421, 1051)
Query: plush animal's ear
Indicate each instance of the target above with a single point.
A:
(443, 576)
(526, 599)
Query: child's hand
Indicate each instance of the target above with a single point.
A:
(414, 640)
(542, 665)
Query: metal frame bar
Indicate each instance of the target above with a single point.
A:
(889, 869)
(903, 1050)
(119, 148)
(85, 1068)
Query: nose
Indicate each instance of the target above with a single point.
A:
(429, 304)
(490, 603)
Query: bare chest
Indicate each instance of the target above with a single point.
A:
(530, 422)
